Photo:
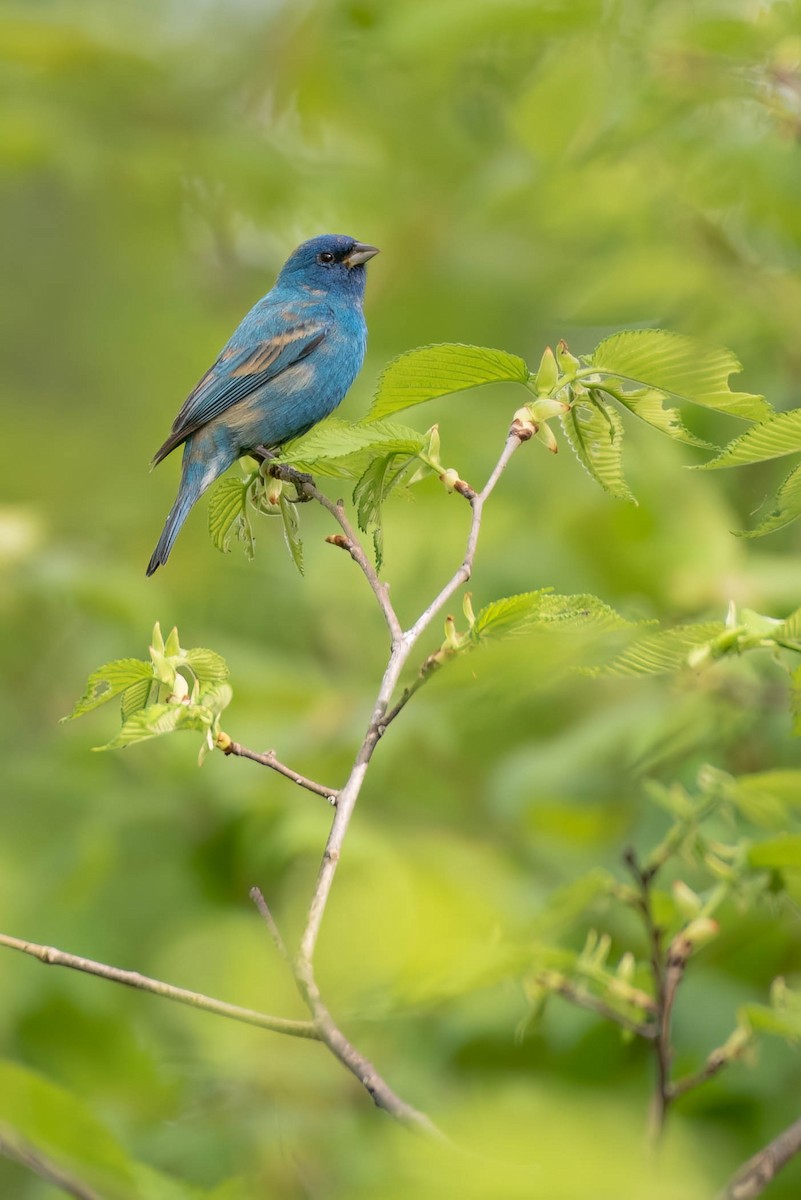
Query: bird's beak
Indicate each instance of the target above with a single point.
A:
(361, 253)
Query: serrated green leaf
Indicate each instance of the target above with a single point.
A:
(136, 697)
(648, 404)
(680, 366)
(149, 722)
(216, 697)
(344, 449)
(664, 652)
(228, 514)
(786, 507)
(381, 477)
(766, 440)
(544, 610)
(777, 853)
(289, 516)
(441, 370)
(594, 432)
(108, 681)
(207, 666)
(791, 627)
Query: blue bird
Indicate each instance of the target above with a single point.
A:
(288, 364)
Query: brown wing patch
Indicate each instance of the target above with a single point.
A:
(266, 354)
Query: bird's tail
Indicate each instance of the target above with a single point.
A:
(193, 485)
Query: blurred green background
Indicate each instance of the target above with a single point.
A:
(530, 171)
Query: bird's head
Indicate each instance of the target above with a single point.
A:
(330, 263)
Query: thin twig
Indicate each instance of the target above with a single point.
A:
(267, 758)
(714, 1064)
(402, 644)
(257, 897)
(755, 1175)
(400, 652)
(307, 487)
(58, 958)
(665, 984)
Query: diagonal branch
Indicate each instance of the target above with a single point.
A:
(308, 489)
(400, 653)
(402, 645)
(248, 1016)
(755, 1175)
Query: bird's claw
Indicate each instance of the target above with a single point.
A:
(300, 480)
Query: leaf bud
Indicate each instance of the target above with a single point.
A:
(523, 424)
(568, 363)
(548, 373)
(697, 934)
(547, 436)
(687, 901)
(546, 407)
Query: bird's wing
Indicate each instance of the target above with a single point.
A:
(246, 366)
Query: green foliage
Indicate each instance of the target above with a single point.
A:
(639, 370)
(768, 440)
(228, 514)
(573, 165)
(433, 371)
(594, 432)
(544, 610)
(176, 689)
(677, 366)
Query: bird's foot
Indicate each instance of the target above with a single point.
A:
(300, 480)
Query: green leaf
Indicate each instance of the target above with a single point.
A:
(382, 476)
(595, 434)
(769, 439)
(136, 697)
(440, 370)
(216, 698)
(344, 449)
(781, 1022)
(289, 516)
(786, 507)
(664, 652)
(108, 681)
(228, 515)
(148, 722)
(544, 610)
(648, 405)
(207, 666)
(778, 852)
(791, 627)
(680, 366)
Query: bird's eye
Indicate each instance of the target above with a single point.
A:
(326, 257)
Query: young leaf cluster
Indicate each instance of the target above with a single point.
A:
(174, 689)
(716, 838)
